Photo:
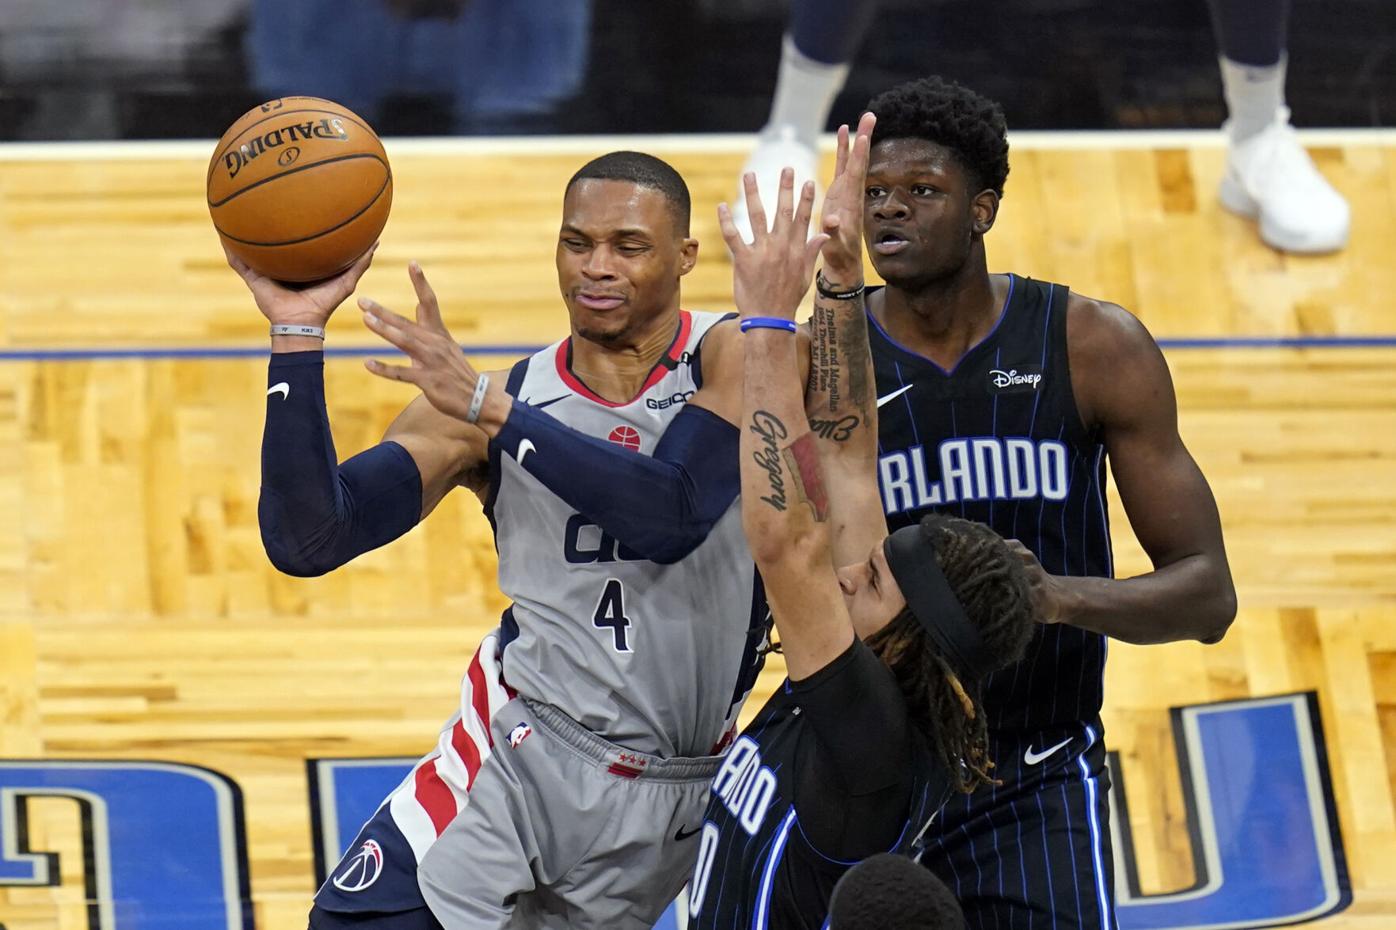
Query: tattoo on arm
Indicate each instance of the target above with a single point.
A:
(802, 456)
(853, 336)
(839, 358)
(825, 357)
(840, 430)
(769, 429)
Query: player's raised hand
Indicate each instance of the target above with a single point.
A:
(308, 306)
(771, 274)
(438, 367)
(842, 218)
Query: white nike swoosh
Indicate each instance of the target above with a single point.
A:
(282, 387)
(894, 395)
(525, 447)
(1032, 758)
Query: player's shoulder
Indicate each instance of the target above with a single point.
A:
(719, 345)
(1101, 330)
(1114, 360)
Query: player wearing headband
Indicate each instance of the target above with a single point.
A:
(880, 720)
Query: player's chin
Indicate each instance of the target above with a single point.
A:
(604, 330)
(904, 266)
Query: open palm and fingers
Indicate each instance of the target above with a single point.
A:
(437, 365)
(306, 306)
(771, 274)
(842, 216)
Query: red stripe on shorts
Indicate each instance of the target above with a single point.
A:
(465, 748)
(624, 771)
(436, 799)
(480, 696)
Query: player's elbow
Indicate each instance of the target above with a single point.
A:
(1221, 613)
(289, 561)
(287, 552)
(1222, 616)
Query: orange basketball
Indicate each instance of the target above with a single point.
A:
(299, 188)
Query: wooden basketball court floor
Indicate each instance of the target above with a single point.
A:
(140, 620)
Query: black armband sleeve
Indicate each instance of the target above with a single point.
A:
(314, 513)
(660, 506)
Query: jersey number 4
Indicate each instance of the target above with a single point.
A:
(610, 613)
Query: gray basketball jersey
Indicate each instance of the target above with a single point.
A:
(651, 657)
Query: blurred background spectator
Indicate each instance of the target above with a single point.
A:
(187, 68)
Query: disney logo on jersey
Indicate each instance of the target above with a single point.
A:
(663, 403)
(1014, 381)
(973, 469)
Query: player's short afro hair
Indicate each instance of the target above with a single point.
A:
(951, 115)
(645, 171)
(888, 892)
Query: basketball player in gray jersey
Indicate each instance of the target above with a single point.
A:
(568, 788)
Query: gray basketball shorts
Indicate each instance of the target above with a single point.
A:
(527, 821)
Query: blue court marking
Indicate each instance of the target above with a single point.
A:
(1266, 846)
(163, 843)
(216, 352)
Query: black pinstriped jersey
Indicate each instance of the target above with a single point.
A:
(757, 865)
(998, 439)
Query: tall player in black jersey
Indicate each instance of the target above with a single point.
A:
(877, 724)
(1001, 399)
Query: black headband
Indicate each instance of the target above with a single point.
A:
(912, 559)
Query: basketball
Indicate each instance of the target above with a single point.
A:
(299, 188)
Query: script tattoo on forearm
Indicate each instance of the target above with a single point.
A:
(770, 430)
(825, 356)
(840, 430)
(853, 338)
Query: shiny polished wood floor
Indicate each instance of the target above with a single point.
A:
(140, 619)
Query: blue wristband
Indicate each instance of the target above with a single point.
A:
(768, 322)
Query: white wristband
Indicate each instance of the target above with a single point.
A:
(296, 329)
(477, 400)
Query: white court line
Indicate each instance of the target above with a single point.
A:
(704, 143)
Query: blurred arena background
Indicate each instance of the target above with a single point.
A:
(144, 638)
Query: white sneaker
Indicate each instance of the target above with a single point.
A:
(1270, 177)
(776, 150)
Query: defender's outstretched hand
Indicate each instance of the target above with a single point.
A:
(770, 276)
(842, 218)
(308, 306)
(438, 368)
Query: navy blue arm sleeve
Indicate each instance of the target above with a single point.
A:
(659, 506)
(314, 514)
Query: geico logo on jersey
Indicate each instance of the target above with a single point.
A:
(972, 469)
(744, 785)
(585, 543)
(662, 403)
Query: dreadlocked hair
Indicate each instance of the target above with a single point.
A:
(951, 115)
(991, 584)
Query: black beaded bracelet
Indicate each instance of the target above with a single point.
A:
(822, 286)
